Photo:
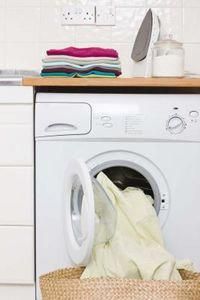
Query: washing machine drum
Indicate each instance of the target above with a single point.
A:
(89, 215)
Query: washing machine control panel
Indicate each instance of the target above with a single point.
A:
(160, 117)
(129, 116)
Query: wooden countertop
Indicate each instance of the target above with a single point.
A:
(110, 82)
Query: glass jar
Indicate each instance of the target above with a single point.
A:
(168, 59)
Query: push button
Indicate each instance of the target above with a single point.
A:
(106, 118)
(194, 114)
(108, 125)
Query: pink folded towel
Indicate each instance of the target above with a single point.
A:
(84, 52)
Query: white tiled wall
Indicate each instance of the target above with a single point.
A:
(29, 27)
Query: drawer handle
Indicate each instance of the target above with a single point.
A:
(60, 127)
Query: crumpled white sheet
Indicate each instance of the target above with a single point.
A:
(137, 249)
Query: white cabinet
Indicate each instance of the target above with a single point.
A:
(16, 95)
(16, 255)
(16, 114)
(16, 145)
(16, 194)
(16, 135)
(17, 292)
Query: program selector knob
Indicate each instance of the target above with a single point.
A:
(176, 124)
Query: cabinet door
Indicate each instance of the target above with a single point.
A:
(16, 135)
(16, 114)
(16, 145)
(17, 292)
(16, 255)
(16, 94)
(16, 196)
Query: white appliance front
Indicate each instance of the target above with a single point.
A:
(180, 168)
(170, 167)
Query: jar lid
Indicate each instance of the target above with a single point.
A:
(168, 43)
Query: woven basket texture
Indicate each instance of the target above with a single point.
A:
(65, 284)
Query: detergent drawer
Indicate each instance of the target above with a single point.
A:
(60, 119)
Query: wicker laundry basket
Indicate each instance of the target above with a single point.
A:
(66, 285)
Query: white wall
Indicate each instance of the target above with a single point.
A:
(29, 27)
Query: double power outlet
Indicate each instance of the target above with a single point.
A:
(88, 15)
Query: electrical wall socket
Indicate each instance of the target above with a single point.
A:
(78, 15)
(105, 15)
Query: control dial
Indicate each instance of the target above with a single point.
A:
(176, 124)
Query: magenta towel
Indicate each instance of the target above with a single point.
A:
(84, 52)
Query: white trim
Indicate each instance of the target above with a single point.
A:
(79, 253)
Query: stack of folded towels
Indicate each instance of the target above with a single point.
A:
(81, 62)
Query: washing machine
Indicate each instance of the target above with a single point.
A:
(150, 141)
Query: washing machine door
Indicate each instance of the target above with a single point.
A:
(83, 213)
